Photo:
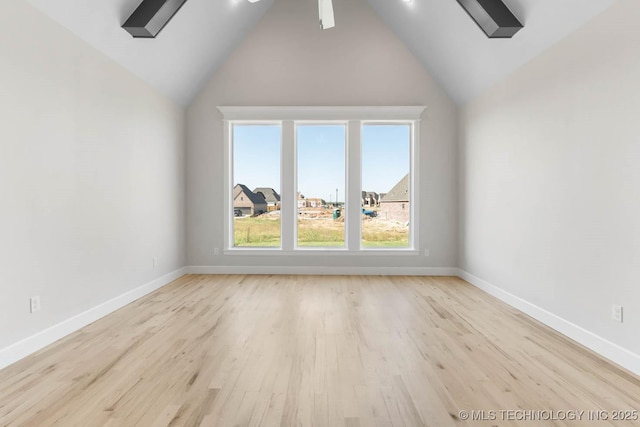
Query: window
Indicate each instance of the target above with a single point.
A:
(386, 185)
(320, 169)
(332, 179)
(256, 185)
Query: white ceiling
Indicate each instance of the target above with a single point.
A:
(182, 58)
(439, 33)
(457, 53)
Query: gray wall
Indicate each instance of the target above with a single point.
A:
(91, 176)
(550, 194)
(288, 60)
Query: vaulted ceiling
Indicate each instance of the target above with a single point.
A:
(439, 33)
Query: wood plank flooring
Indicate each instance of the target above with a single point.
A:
(332, 351)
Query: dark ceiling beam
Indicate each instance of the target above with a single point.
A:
(493, 16)
(151, 16)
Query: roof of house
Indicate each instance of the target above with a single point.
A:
(256, 199)
(372, 194)
(399, 193)
(268, 193)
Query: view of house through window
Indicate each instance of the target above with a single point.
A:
(346, 184)
(321, 183)
(256, 185)
(386, 166)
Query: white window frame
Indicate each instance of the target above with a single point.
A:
(354, 118)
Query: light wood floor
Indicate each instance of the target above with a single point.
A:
(311, 351)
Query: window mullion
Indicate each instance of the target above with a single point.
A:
(228, 191)
(288, 206)
(415, 179)
(353, 200)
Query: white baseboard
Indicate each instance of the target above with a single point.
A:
(319, 270)
(25, 347)
(603, 347)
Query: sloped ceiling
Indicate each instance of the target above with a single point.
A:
(181, 59)
(439, 33)
(460, 57)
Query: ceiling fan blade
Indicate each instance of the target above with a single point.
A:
(325, 10)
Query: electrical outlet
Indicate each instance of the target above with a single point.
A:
(155, 261)
(216, 251)
(34, 303)
(616, 313)
(426, 252)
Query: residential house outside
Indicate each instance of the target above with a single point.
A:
(314, 202)
(370, 199)
(270, 196)
(395, 204)
(311, 202)
(302, 201)
(247, 201)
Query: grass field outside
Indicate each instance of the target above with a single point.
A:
(264, 231)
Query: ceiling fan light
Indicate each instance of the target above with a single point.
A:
(253, 1)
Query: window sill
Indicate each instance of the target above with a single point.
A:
(320, 251)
